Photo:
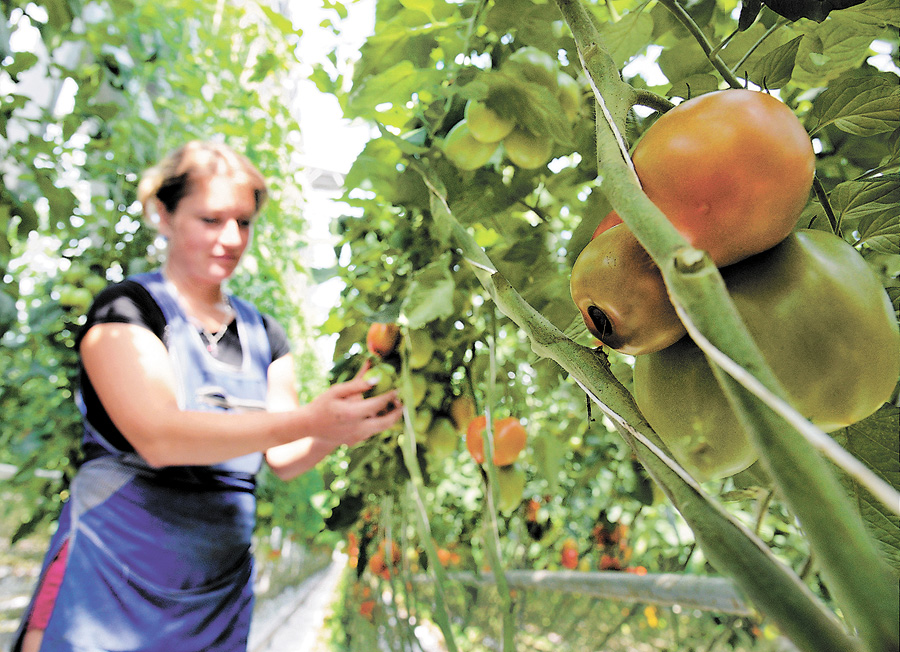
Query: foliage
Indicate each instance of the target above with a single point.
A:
(407, 261)
(92, 94)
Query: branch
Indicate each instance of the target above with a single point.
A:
(685, 19)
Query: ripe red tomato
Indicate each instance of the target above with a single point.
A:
(509, 440)
(569, 555)
(381, 340)
(732, 170)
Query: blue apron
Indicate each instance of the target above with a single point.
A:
(160, 558)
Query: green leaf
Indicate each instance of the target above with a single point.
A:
(21, 61)
(872, 209)
(7, 312)
(430, 294)
(280, 21)
(874, 441)
(774, 70)
(875, 12)
(830, 48)
(628, 36)
(860, 105)
(693, 86)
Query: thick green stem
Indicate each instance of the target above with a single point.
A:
(410, 460)
(491, 492)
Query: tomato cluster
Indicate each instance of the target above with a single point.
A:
(732, 172)
(484, 130)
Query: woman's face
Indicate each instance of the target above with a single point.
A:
(210, 228)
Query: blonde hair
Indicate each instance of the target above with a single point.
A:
(170, 180)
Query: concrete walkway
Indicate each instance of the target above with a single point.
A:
(296, 622)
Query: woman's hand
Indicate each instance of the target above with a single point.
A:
(342, 414)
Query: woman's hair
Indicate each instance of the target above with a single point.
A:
(171, 179)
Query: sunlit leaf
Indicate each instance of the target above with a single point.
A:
(860, 105)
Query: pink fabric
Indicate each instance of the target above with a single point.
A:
(46, 596)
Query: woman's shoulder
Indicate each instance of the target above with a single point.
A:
(126, 302)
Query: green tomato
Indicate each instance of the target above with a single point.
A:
(527, 150)
(511, 483)
(569, 95)
(421, 348)
(419, 389)
(442, 439)
(485, 124)
(534, 65)
(384, 377)
(464, 151)
(825, 326)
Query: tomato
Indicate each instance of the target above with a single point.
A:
(442, 438)
(509, 440)
(381, 340)
(419, 388)
(621, 294)
(569, 555)
(464, 151)
(534, 65)
(569, 95)
(421, 348)
(462, 411)
(612, 218)
(527, 150)
(485, 124)
(825, 326)
(511, 483)
(384, 377)
(732, 170)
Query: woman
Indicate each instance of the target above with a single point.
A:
(185, 391)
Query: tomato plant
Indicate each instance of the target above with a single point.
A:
(621, 294)
(509, 439)
(733, 190)
(818, 313)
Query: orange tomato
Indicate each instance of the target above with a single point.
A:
(381, 340)
(732, 170)
(509, 439)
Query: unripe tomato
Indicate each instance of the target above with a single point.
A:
(569, 95)
(485, 124)
(383, 376)
(511, 483)
(621, 294)
(527, 150)
(825, 326)
(421, 348)
(509, 440)
(534, 65)
(732, 170)
(381, 340)
(464, 151)
(442, 438)
(462, 411)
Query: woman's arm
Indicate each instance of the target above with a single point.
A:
(297, 457)
(130, 370)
